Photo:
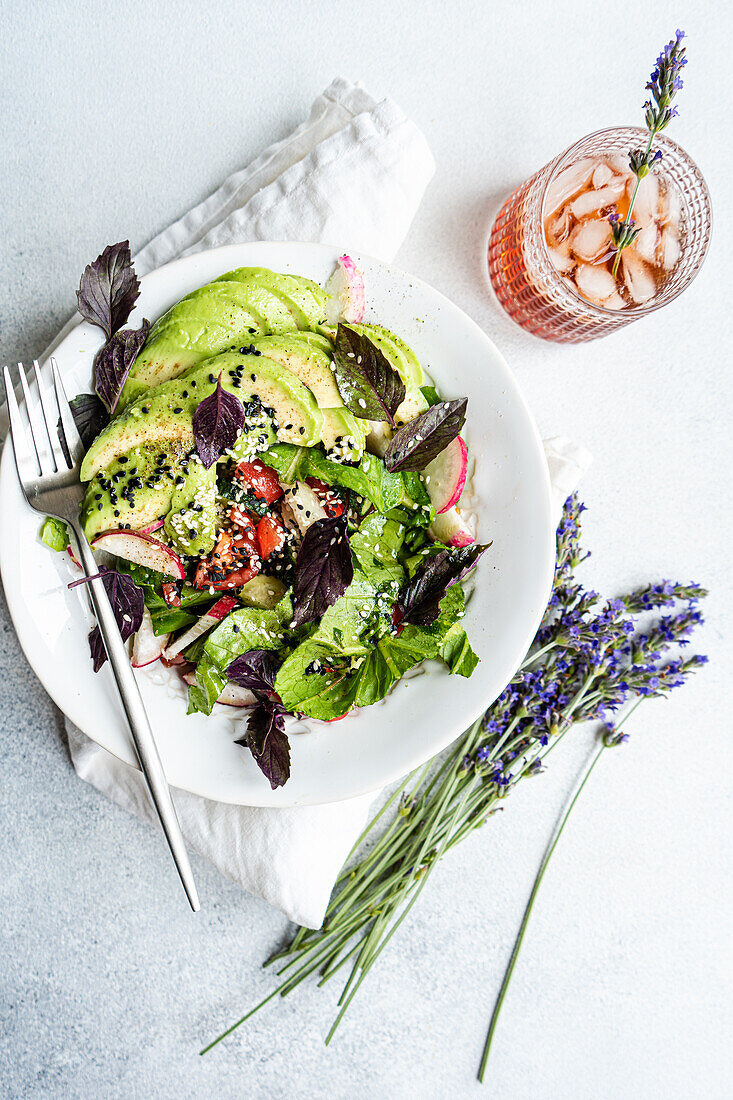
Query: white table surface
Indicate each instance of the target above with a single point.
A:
(116, 118)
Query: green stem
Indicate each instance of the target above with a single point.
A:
(616, 262)
(528, 912)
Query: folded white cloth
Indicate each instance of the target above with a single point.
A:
(353, 176)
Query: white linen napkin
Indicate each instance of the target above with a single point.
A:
(352, 175)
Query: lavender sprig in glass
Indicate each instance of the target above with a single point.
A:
(664, 83)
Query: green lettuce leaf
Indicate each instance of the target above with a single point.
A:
(456, 651)
(248, 628)
(316, 682)
(244, 629)
(346, 662)
(370, 479)
(376, 547)
(210, 682)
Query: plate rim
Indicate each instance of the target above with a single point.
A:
(390, 775)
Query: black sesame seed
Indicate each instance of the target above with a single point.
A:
(178, 409)
(97, 496)
(122, 459)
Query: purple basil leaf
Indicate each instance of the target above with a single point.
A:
(369, 385)
(421, 440)
(267, 741)
(323, 571)
(112, 362)
(419, 601)
(90, 416)
(96, 647)
(128, 605)
(217, 422)
(109, 288)
(255, 670)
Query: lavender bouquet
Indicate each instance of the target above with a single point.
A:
(592, 661)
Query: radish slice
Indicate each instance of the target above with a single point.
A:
(154, 526)
(345, 289)
(73, 557)
(445, 476)
(304, 505)
(232, 696)
(143, 550)
(148, 645)
(449, 528)
(213, 616)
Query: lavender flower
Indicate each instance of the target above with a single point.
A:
(664, 83)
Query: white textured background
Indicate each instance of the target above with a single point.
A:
(115, 119)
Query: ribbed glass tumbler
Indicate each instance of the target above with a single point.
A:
(530, 288)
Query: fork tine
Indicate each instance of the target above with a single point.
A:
(27, 468)
(43, 454)
(73, 439)
(50, 418)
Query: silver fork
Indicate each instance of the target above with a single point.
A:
(51, 485)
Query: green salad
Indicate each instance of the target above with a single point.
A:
(276, 482)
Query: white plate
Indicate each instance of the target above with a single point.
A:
(422, 714)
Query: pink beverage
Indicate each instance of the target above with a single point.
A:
(578, 205)
(551, 251)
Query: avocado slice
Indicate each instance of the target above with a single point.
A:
(219, 316)
(308, 360)
(343, 435)
(191, 522)
(164, 413)
(401, 357)
(304, 297)
(132, 491)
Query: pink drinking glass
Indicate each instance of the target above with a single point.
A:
(536, 295)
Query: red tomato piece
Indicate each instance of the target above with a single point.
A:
(333, 505)
(262, 479)
(234, 560)
(270, 535)
(171, 595)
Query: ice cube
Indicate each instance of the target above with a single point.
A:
(567, 183)
(561, 259)
(670, 204)
(558, 226)
(671, 248)
(645, 243)
(647, 199)
(591, 239)
(637, 277)
(592, 201)
(602, 175)
(619, 162)
(595, 283)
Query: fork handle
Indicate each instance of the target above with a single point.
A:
(142, 734)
